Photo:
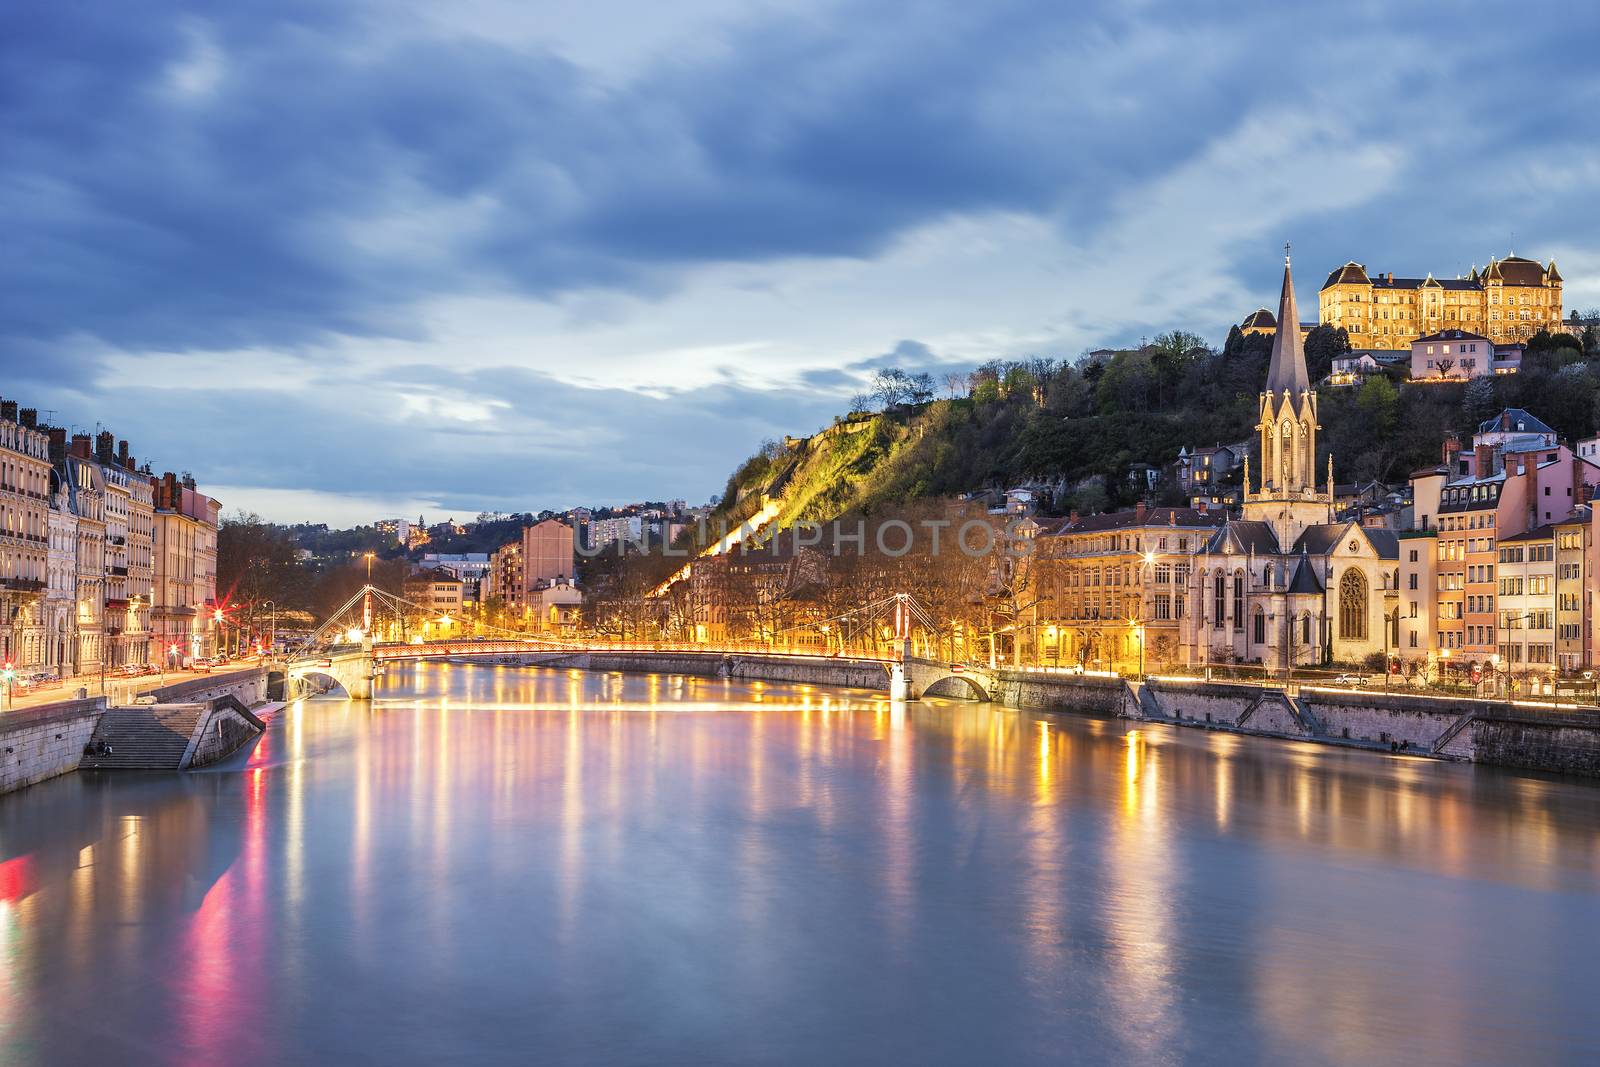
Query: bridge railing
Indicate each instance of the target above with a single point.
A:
(500, 647)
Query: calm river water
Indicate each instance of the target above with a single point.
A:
(502, 865)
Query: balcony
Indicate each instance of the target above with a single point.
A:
(117, 572)
(113, 539)
(21, 585)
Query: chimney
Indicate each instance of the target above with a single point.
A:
(122, 454)
(1202, 505)
(1391, 277)
(1138, 513)
(8, 410)
(1072, 517)
(105, 444)
(1484, 461)
(1505, 421)
(30, 418)
(169, 489)
(58, 444)
(80, 445)
(1452, 445)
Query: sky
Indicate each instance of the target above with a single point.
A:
(349, 261)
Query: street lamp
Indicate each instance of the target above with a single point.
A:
(272, 631)
(1138, 632)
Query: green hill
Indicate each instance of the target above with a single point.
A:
(1064, 425)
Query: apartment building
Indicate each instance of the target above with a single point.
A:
(1108, 582)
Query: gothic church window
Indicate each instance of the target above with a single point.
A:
(1353, 606)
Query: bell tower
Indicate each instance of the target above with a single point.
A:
(1288, 496)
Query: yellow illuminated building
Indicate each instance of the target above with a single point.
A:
(1509, 300)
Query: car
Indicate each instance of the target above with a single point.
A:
(1350, 679)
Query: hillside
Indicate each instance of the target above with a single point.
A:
(1063, 425)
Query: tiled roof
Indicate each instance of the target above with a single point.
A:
(1513, 419)
(1538, 533)
(1317, 540)
(1384, 541)
(1245, 536)
(1351, 272)
(1514, 270)
(1305, 579)
(1127, 520)
(1451, 335)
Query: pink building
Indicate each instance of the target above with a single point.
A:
(1452, 354)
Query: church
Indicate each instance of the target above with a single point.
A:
(1284, 584)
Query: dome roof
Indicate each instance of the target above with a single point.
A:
(1351, 272)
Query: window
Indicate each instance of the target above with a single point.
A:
(1353, 606)
(1260, 627)
(1218, 599)
(1238, 600)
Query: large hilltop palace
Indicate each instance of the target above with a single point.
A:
(1508, 301)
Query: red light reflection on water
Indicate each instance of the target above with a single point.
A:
(16, 878)
(226, 939)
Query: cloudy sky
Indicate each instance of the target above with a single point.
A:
(353, 260)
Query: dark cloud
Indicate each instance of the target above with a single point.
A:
(185, 176)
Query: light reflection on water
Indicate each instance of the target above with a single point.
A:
(524, 865)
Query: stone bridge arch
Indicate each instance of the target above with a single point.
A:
(928, 678)
(351, 671)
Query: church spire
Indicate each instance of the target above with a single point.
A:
(1288, 367)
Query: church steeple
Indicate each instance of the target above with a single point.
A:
(1287, 495)
(1288, 367)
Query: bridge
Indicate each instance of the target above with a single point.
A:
(343, 653)
(351, 669)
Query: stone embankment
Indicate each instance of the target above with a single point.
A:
(798, 670)
(187, 724)
(1527, 736)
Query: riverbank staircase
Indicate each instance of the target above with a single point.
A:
(142, 737)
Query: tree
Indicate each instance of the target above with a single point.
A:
(1479, 401)
(892, 387)
(258, 562)
(1444, 366)
(1323, 345)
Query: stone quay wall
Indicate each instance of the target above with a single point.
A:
(41, 742)
(1063, 692)
(222, 730)
(249, 686)
(798, 670)
(1533, 739)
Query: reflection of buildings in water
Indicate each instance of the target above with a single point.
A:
(1045, 887)
(1140, 878)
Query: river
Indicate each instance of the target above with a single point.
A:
(511, 866)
